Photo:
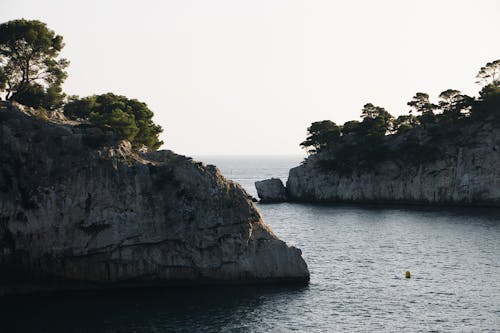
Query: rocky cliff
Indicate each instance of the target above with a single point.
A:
(465, 171)
(78, 208)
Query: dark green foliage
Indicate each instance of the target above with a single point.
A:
(355, 145)
(405, 123)
(322, 134)
(377, 122)
(454, 105)
(30, 72)
(421, 104)
(371, 111)
(414, 151)
(129, 118)
(352, 127)
(361, 156)
(488, 104)
(35, 95)
(415, 139)
(79, 108)
(121, 121)
(490, 73)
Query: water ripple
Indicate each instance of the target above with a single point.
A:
(357, 255)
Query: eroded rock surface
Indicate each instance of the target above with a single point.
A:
(467, 172)
(271, 190)
(77, 204)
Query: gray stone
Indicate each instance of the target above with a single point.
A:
(467, 173)
(271, 190)
(83, 209)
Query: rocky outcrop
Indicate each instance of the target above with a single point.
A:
(78, 208)
(467, 172)
(271, 190)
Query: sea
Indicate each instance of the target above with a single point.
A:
(358, 256)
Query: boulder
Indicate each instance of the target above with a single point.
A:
(271, 190)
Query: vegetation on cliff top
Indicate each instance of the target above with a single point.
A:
(358, 145)
(130, 118)
(32, 73)
(30, 70)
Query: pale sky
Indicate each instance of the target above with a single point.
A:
(248, 77)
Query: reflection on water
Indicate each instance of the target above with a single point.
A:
(198, 309)
(357, 256)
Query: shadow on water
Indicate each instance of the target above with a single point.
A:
(183, 309)
(490, 214)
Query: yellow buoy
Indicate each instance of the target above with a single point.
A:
(408, 275)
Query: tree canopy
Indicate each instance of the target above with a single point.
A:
(421, 104)
(405, 123)
(377, 122)
(30, 71)
(129, 118)
(322, 134)
(361, 144)
(488, 103)
(454, 104)
(489, 73)
(32, 74)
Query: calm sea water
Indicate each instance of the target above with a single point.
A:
(357, 256)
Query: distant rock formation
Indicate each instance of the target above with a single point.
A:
(271, 190)
(80, 209)
(467, 172)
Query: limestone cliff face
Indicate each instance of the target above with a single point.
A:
(76, 204)
(466, 173)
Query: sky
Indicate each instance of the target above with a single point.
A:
(231, 77)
